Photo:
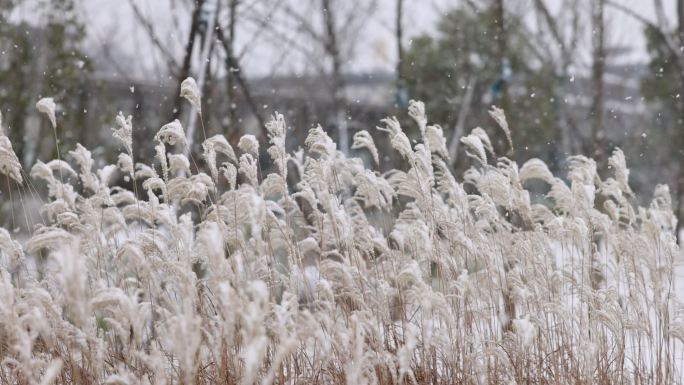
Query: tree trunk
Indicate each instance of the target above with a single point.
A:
(337, 89)
(204, 60)
(236, 72)
(504, 63)
(187, 60)
(597, 71)
(230, 78)
(208, 108)
(502, 55)
(560, 83)
(679, 210)
(459, 127)
(400, 47)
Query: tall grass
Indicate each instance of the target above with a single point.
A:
(325, 271)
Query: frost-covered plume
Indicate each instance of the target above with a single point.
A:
(191, 92)
(535, 169)
(124, 132)
(57, 189)
(339, 273)
(399, 140)
(172, 134)
(362, 139)
(178, 164)
(250, 144)
(160, 155)
(618, 164)
(318, 142)
(125, 164)
(373, 191)
(9, 163)
(84, 159)
(434, 137)
(500, 118)
(47, 106)
(10, 249)
(276, 136)
(583, 178)
(248, 167)
(416, 111)
(475, 146)
(229, 171)
(217, 144)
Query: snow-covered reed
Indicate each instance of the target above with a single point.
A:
(325, 271)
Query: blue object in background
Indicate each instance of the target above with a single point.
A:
(506, 73)
(401, 97)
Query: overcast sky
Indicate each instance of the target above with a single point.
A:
(111, 23)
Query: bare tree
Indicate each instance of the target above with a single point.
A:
(331, 38)
(154, 38)
(501, 37)
(204, 61)
(187, 56)
(673, 42)
(200, 32)
(229, 47)
(597, 71)
(331, 45)
(399, 29)
(502, 43)
(559, 41)
(459, 127)
(233, 66)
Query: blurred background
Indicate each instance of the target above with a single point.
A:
(574, 76)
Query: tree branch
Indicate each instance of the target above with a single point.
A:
(671, 45)
(149, 28)
(237, 72)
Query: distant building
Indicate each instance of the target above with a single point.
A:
(305, 101)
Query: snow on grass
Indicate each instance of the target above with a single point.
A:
(323, 271)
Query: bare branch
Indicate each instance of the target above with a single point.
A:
(462, 115)
(281, 37)
(262, 25)
(149, 28)
(552, 24)
(660, 14)
(187, 60)
(237, 72)
(671, 45)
